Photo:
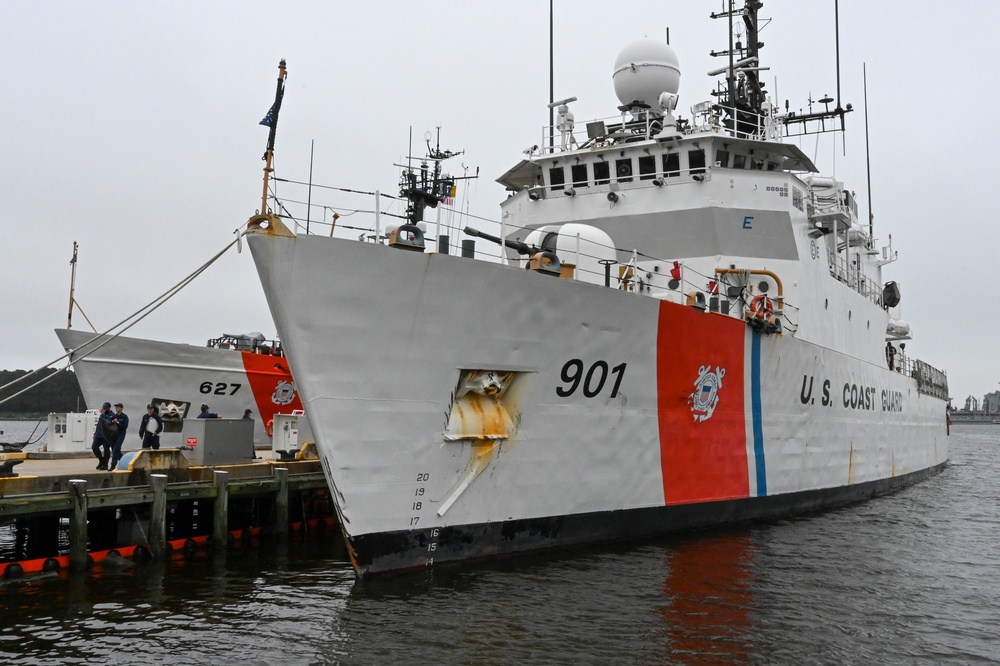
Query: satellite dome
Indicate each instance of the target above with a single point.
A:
(644, 70)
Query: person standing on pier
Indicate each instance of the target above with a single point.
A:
(205, 414)
(101, 446)
(150, 429)
(121, 418)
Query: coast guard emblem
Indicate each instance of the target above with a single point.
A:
(706, 392)
(283, 394)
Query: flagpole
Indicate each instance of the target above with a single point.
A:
(72, 287)
(271, 120)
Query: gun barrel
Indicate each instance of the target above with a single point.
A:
(522, 248)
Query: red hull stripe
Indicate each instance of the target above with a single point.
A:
(700, 396)
(271, 383)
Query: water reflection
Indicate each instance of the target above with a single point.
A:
(707, 600)
(902, 579)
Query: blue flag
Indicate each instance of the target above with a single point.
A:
(269, 118)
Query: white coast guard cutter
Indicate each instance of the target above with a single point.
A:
(696, 335)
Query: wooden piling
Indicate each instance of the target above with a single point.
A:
(220, 523)
(281, 502)
(158, 515)
(78, 525)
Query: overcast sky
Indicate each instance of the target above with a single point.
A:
(132, 128)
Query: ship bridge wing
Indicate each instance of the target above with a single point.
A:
(795, 159)
(520, 176)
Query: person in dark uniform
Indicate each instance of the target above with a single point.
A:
(121, 418)
(205, 414)
(247, 414)
(890, 355)
(101, 446)
(150, 428)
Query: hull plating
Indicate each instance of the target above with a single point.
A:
(628, 416)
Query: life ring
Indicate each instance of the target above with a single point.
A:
(761, 307)
(269, 427)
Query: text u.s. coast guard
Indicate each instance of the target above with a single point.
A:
(852, 396)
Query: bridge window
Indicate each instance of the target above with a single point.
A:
(722, 158)
(647, 167)
(696, 161)
(557, 178)
(739, 161)
(579, 173)
(671, 164)
(602, 173)
(623, 170)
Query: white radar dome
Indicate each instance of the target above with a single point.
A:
(644, 70)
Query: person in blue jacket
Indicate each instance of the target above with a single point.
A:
(101, 446)
(150, 428)
(121, 418)
(205, 414)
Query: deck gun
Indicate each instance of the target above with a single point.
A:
(521, 248)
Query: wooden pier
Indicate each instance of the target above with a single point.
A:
(162, 497)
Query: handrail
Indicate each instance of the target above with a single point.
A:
(780, 298)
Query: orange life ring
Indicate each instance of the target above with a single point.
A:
(761, 307)
(269, 427)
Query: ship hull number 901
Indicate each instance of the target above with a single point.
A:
(593, 381)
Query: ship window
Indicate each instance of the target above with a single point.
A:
(602, 173)
(579, 172)
(739, 161)
(671, 164)
(722, 158)
(696, 161)
(771, 166)
(557, 178)
(623, 170)
(647, 167)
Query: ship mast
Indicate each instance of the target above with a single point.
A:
(744, 100)
(271, 120)
(72, 287)
(428, 186)
(72, 293)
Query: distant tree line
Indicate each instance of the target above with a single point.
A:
(57, 394)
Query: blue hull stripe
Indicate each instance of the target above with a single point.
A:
(758, 426)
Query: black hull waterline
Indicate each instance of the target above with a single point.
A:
(410, 550)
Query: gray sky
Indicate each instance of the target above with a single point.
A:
(132, 128)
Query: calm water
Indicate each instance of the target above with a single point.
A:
(913, 578)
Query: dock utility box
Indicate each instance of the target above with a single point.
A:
(71, 432)
(218, 441)
(291, 431)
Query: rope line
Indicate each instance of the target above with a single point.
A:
(137, 316)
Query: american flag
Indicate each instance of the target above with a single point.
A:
(269, 118)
